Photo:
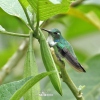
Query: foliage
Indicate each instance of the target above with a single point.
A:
(79, 24)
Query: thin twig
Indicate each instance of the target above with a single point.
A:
(35, 34)
(76, 3)
(14, 34)
(27, 16)
(13, 61)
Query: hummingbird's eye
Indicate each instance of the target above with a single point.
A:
(55, 32)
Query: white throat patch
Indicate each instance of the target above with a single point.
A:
(51, 41)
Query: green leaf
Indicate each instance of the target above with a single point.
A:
(13, 7)
(78, 22)
(93, 84)
(18, 94)
(50, 64)
(80, 28)
(1, 28)
(90, 7)
(20, 87)
(25, 3)
(90, 17)
(31, 69)
(11, 23)
(7, 90)
(47, 9)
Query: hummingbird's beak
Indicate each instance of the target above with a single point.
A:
(46, 30)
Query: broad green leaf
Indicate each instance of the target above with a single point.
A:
(18, 94)
(90, 7)
(94, 19)
(1, 28)
(31, 69)
(20, 87)
(7, 90)
(91, 80)
(47, 9)
(78, 26)
(13, 7)
(11, 23)
(93, 84)
(50, 64)
(25, 3)
(90, 17)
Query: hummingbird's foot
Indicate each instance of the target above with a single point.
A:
(61, 61)
(58, 57)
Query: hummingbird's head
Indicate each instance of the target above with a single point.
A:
(55, 33)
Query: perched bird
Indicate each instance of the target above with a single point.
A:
(63, 49)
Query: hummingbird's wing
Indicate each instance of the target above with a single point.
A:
(68, 54)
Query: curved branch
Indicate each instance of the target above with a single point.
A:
(14, 34)
(66, 77)
(13, 61)
(76, 3)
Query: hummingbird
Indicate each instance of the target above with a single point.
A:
(63, 48)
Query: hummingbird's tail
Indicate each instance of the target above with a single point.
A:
(75, 64)
(78, 67)
(71, 59)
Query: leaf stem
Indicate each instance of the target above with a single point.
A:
(70, 84)
(37, 18)
(14, 60)
(27, 16)
(14, 34)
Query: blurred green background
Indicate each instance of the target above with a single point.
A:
(84, 36)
